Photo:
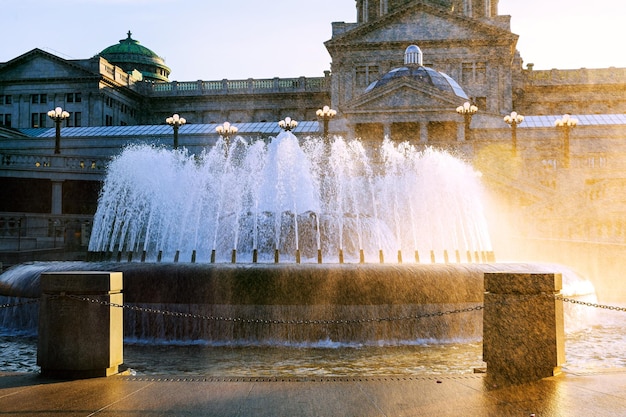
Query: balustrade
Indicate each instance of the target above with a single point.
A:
(247, 86)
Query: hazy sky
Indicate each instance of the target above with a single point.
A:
(214, 39)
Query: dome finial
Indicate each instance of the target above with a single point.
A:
(129, 33)
(413, 55)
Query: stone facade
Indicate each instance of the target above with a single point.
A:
(466, 39)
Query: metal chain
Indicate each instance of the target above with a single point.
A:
(275, 321)
(587, 304)
(353, 321)
(21, 303)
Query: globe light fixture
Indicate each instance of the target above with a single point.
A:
(326, 113)
(58, 115)
(513, 120)
(226, 130)
(175, 121)
(467, 110)
(566, 123)
(287, 124)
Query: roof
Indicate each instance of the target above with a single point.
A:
(130, 55)
(256, 128)
(583, 120)
(272, 128)
(129, 46)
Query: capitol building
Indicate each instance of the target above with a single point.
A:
(403, 70)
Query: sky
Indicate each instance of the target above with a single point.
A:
(239, 39)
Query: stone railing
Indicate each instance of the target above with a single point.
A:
(577, 76)
(248, 86)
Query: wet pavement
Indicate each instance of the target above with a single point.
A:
(566, 395)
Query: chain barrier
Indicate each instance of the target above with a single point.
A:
(323, 322)
(276, 321)
(21, 303)
(587, 304)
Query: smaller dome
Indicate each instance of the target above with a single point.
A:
(130, 55)
(414, 69)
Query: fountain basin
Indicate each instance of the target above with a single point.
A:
(290, 303)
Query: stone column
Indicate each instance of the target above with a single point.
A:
(460, 132)
(523, 332)
(424, 131)
(79, 338)
(57, 197)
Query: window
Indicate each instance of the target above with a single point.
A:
(108, 120)
(365, 75)
(5, 120)
(467, 75)
(481, 103)
(75, 119)
(38, 119)
(73, 98)
(481, 72)
(473, 72)
(38, 98)
(6, 99)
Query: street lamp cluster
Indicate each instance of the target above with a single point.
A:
(326, 113)
(287, 124)
(513, 120)
(226, 130)
(467, 110)
(58, 115)
(175, 121)
(566, 123)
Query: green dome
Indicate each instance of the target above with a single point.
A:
(130, 55)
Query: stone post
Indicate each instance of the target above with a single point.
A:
(78, 338)
(523, 332)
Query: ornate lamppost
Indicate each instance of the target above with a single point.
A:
(513, 120)
(287, 124)
(326, 113)
(175, 121)
(566, 123)
(58, 115)
(467, 110)
(226, 130)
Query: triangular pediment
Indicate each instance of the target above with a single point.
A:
(420, 22)
(404, 94)
(38, 64)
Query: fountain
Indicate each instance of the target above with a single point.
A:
(282, 199)
(290, 241)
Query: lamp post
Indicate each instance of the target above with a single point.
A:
(58, 115)
(566, 123)
(226, 130)
(326, 113)
(467, 110)
(513, 120)
(175, 121)
(287, 124)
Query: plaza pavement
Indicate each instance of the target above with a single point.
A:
(473, 395)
